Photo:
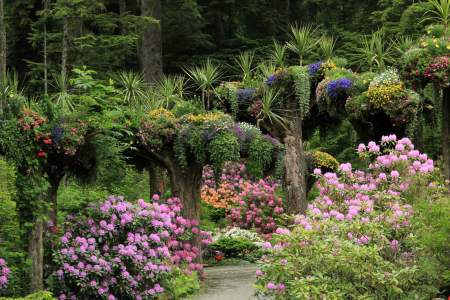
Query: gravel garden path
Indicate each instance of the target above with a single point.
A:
(228, 283)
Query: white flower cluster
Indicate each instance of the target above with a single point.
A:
(236, 232)
(249, 128)
(388, 77)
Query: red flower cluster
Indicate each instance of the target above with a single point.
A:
(438, 71)
(31, 120)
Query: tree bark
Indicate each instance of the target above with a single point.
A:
(53, 198)
(65, 51)
(295, 170)
(156, 179)
(36, 254)
(2, 43)
(187, 188)
(151, 42)
(446, 131)
(122, 10)
(45, 52)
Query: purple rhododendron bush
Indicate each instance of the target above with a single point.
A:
(126, 251)
(360, 237)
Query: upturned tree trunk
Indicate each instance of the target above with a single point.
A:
(295, 170)
(156, 179)
(187, 187)
(150, 48)
(36, 255)
(446, 131)
(45, 52)
(53, 198)
(65, 50)
(122, 10)
(2, 43)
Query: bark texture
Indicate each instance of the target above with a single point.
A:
(446, 131)
(295, 169)
(65, 50)
(2, 42)
(151, 43)
(36, 254)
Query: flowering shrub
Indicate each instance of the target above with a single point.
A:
(124, 250)
(339, 88)
(224, 193)
(258, 206)
(356, 239)
(379, 96)
(324, 161)
(4, 273)
(438, 71)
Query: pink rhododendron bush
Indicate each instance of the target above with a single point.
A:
(247, 203)
(4, 273)
(125, 251)
(358, 238)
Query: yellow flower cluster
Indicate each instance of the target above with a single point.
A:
(379, 96)
(208, 117)
(328, 65)
(325, 160)
(161, 112)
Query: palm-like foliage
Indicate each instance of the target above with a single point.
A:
(402, 44)
(373, 51)
(244, 62)
(133, 88)
(302, 40)
(204, 77)
(327, 45)
(62, 98)
(169, 90)
(440, 13)
(270, 108)
(265, 69)
(10, 90)
(278, 54)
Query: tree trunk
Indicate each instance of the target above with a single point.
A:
(446, 131)
(122, 10)
(65, 51)
(2, 43)
(36, 254)
(53, 198)
(45, 52)
(156, 179)
(187, 188)
(295, 169)
(151, 43)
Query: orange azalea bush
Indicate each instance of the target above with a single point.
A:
(225, 193)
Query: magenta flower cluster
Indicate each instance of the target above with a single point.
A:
(125, 250)
(258, 206)
(4, 273)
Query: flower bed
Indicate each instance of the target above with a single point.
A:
(357, 238)
(125, 251)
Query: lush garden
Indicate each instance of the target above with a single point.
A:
(328, 167)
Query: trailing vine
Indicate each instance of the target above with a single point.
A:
(259, 156)
(224, 147)
(302, 87)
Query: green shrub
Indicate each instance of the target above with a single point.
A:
(182, 285)
(43, 295)
(234, 247)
